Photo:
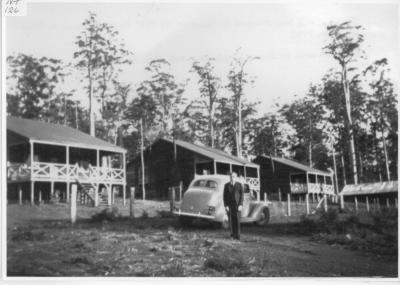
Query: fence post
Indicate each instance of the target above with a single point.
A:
(40, 196)
(279, 194)
(73, 203)
(131, 201)
(124, 195)
(96, 196)
(387, 203)
(367, 203)
(171, 191)
(356, 203)
(288, 205)
(325, 203)
(307, 204)
(109, 196)
(32, 193)
(341, 202)
(113, 195)
(20, 194)
(180, 190)
(395, 202)
(265, 197)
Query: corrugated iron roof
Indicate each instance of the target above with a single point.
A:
(295, 164)
(53, 133)
(370, 188)
(212, 153)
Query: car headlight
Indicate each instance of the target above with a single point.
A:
(211, 210)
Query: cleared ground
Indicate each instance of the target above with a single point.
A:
(41, 242)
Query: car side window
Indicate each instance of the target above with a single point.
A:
(205, 184)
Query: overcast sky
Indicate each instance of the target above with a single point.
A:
(288, 39)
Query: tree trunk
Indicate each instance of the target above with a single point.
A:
(384, 140)
(343, 168)
(91, 102)
(239, 127)
(378, 165)
(346, 89)
(211, 126)
(142, 159)
(76, 115)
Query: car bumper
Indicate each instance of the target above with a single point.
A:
(194, 215)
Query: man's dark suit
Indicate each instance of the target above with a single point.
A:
(233, 198)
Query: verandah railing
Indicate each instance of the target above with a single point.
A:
(64, 172)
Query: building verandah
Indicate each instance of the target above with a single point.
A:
(44, 169)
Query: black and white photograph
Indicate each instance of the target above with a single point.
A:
(254, 141)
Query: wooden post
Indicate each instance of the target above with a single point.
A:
(124, 194)
(279, 195)
(378, 204)
(68, 188)
(341, 202)
(20, 194)
(109, 196)
(180, 190)
(74, 189)
(356, 203)
(32, 193)
(171, 198)
(288, 205)
(113, 195)
(265, 197)
(325, 203)
(307, 205)
(131, 202)
(395, 202)
(40, 196)
(96, 196)
(367, 203)
(387, 203)
(52, 188)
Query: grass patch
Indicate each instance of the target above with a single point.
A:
(228, 265)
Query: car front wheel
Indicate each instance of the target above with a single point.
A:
(264, 217)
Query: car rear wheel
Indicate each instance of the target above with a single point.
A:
(264, 218)
(185, 221)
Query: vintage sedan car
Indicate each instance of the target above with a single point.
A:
(204, 200)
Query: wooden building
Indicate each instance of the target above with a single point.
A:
(379, 192)
(169, 163)
(283, 175)
(44, 159)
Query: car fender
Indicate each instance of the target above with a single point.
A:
(257, 209)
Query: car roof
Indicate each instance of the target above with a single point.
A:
(217, 177)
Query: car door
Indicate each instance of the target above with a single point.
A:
(246, 200)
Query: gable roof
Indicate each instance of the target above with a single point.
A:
(370, 188)
(212, 153)
(295, 164)
(52, 133)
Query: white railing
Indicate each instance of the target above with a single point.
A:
(18, 171)
(320, 188)
(254, 183)
(64, 172)
(298, 188)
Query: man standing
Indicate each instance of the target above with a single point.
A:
(233, 201)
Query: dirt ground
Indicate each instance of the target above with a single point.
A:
(42, 242)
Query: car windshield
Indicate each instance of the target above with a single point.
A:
(204, 183)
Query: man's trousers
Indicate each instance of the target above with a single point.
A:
(234, 222)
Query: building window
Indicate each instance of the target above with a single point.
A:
(223, 168)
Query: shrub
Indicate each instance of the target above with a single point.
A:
(106, 215)
(144, 215)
